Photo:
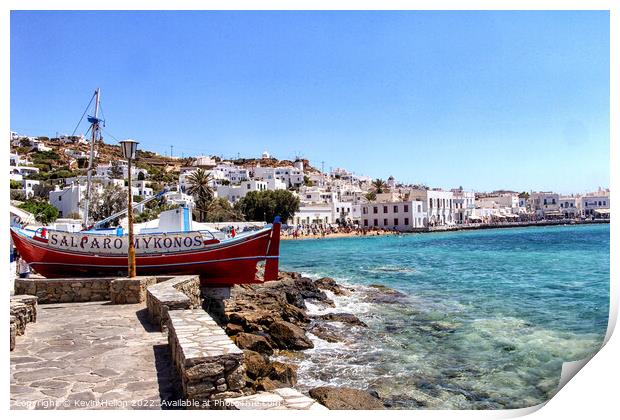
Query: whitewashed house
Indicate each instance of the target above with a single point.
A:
(402, 216)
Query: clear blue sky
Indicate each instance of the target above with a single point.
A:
(483, 100)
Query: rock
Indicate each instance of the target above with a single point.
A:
(309, 290)
(295, 298)
(284, 373)
(256, 364)
(289, 336)
(327, 283)
(379, 293)
(343, 317)
(267, 384)
(345, 398)
(253, 342)
(325, 334)
(232, 329)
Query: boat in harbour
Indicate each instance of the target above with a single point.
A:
(171, 245)
(220, 260)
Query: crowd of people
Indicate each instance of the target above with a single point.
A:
(322, 231)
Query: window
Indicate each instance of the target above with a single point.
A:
(60, 198)
(376, 222)
(385, 222)
(406, 221)
(430, 203)
(366, 222)
(599, 203)
(375, 209)
(395, 209)
(419, 208)
(545, 201)
(385, 210)
(604, 203)
(406, 208)
(248, 186)
(395, 222)
(365, 210)
(553, 201)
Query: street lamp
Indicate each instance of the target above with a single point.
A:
(129, 148)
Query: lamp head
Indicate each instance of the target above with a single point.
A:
(129, 148)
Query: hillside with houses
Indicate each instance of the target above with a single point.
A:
(54, 170)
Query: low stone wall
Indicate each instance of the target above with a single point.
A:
(181, 292)
(65, 290)
(130, 290)
(23, 310)
(209, 364)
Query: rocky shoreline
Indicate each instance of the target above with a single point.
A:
(271, 319)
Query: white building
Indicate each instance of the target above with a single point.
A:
(104, 170)
(291, 176)
(506, 200)
(67, 200)
(595, 205)
(17, 173)
(234, 193)
(569, 206)
(141, 188)
(545, 204)
(313, 214)
(205, 161)
(438, 205)
(401, 216)
(28, 186)
(464, 205)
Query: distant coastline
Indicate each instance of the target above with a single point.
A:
(478, 226)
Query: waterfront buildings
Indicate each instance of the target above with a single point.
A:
(401, 216)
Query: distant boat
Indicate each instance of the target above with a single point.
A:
(219, 261)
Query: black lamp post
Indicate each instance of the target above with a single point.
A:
(130, 148)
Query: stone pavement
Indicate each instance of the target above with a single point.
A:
(91, 355)
(278, 399)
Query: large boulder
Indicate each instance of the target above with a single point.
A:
(256, 364)
(285, 373)
(253, 342)
(343, 317)
(289, 336)
(327, 283)
(345, 398)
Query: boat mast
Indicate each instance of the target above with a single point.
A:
(95, 131)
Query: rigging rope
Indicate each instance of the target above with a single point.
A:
(85, 111)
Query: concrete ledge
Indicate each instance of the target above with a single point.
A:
(278, 399)
(65, 290)
(23, 311)
(181, 292)
(209, 364)
(130, 290)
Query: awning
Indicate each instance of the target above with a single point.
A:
(602, 211)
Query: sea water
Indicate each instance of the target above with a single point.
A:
(484, 319)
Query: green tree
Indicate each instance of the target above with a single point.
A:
(307, 181)
(220, 210)
(266, 205)
(43, 211)
(116, 171)
(371, 196)
(380, 186)
(202, 192)
(15, 185)
(106, 201)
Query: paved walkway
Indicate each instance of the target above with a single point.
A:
(91, 355)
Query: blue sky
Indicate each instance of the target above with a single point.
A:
(483, 100)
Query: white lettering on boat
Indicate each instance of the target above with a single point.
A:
(144, 244)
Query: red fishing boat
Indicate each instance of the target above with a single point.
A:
(219, 262)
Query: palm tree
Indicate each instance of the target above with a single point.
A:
(380, 186)
(202, 192)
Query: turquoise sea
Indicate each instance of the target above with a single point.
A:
(484, 319)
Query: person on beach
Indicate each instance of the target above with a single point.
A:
(24, 269)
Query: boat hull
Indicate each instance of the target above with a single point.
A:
(222, 264)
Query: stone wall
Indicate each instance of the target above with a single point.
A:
(209, 364)
(181, 292)
(23, 310)
(130, 290)
(65, 290)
